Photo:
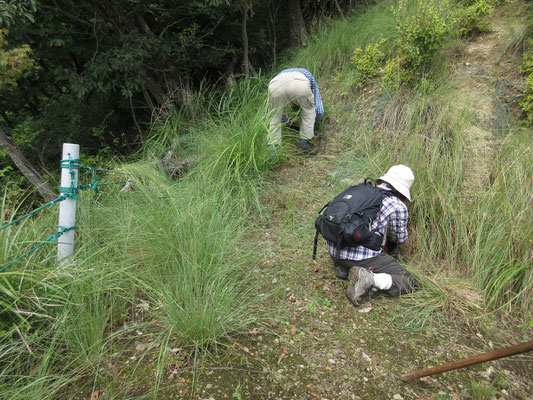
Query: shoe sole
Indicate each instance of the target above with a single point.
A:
(350, 290)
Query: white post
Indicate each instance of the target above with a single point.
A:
(67, 208)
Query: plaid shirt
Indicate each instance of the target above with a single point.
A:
(319, 106)
(393, 213)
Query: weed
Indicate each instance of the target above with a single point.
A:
(482, 391)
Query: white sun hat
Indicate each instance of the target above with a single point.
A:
(400, 177)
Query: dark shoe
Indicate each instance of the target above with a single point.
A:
(361, 282)
(307, 147)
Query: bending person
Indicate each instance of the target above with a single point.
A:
(297, 87)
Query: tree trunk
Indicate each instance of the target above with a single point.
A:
(44, 189)
(271, 25)
(339, 9)
(297, 23)
(244, 36)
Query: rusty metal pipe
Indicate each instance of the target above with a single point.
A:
(480, 358)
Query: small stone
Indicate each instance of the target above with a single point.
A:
(489, 373)
(397, 397)
(141, 346)
(332, 361)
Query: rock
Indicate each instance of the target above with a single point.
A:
(141, 346)
(397, 397)
(489, 373)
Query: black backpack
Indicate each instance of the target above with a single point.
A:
(346, 219)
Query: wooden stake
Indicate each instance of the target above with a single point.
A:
(480, 358)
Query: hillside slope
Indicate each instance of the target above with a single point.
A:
(325, 348)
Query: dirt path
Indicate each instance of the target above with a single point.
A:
(327, 349)
(483, 83)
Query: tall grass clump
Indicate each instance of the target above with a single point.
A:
(332, 49)
(487, 236)
(56, 320)
(423, 133)
(500, 252)
(189, 263)
(189, 232)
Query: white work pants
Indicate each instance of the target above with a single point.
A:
(291, 88)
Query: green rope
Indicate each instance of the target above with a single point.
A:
(72, 164)
(51, 238)
(68, 191)
(50, 204)
(65, 192)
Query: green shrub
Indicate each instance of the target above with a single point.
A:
(368, 62)
(471, 15)
(424, 27)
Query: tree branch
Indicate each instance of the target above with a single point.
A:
(68, 15)
(24, 166)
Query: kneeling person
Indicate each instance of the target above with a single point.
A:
(367, 269)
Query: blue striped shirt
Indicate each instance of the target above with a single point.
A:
(393, 213)
(319, 106)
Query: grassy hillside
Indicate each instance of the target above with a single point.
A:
(203, 286)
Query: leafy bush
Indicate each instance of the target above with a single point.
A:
(14, 62)
(422, 28)
(368, 62)
(471, 15)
